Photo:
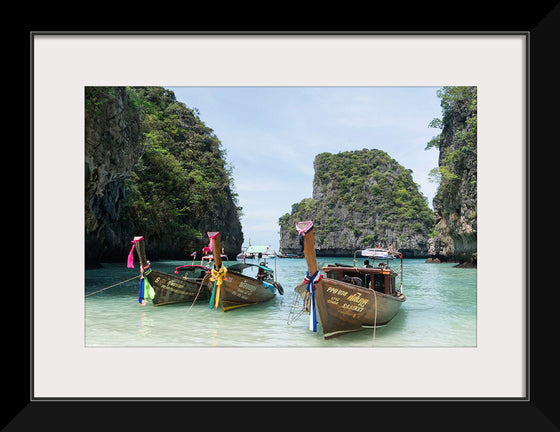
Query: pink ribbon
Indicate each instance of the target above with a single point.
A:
(130, 261)
(211, 244)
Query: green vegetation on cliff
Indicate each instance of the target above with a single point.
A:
(457, 142)
(361, 198)
(455, 203)
(180, 186)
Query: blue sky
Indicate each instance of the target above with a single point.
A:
(272, 134)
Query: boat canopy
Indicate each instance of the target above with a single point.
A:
(379, 253)
(239, 267)
(256, 249)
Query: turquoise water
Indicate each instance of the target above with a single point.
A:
(440, 311)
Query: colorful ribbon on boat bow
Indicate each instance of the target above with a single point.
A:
(130, 260)
(146, 291)
(208, 249)
(217, 276)
(310, 281)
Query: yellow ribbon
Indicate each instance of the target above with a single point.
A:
(217, 276)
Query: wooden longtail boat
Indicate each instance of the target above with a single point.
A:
(172, 288)
(344, 306)
(232, 289)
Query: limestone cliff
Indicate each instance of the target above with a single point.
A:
(360, 199)
(153, 168)
(113, 145)
(455, 204)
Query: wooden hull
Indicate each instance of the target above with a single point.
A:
(343, 307)
(239, 290)
(174, 289)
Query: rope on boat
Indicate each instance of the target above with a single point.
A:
(196, 297)
(374, 319)
(298, 307)
(118, 283)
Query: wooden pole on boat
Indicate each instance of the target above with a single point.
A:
(215, 236)
(306, 229)
(141, 251)
(217, 271)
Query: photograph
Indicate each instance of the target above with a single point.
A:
(210, 205)
(276, 217)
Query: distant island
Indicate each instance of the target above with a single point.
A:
(361, 198)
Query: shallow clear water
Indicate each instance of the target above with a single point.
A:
(440, 311)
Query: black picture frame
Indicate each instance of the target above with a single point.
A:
(538, 411)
